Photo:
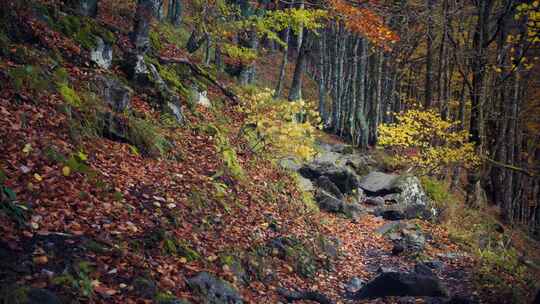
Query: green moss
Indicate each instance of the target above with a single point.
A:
(83, 30)
(436, 190)
(155, 40)
(61, 76)
(69, 95)
(146, 137)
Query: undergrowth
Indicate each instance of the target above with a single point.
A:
(500, 269)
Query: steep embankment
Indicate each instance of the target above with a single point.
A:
(109, 195)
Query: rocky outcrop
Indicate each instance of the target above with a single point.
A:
(344, 178)
(403, 196)
(114, 93)
(377, 184)
(170, 102)
(102, 54)
(329, 203)
(213, 290)
(402, 284)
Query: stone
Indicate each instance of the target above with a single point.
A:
(398, 249)
(423, 269)
(330, 203)
(360, 195)
(435, 264)
(136, 68)
(202, 99)
(375, 201)
(327, 185)
(87, 8)
(395, 236)
(405, 192)
(344, 178)
(305, 184)
(114, 127)
(102, 54)
(290, 163)
(352, 210)
(413, 240)
(412, 197)
(170, 102)
(145, 288)
(331, 247)
(354, 285)
(388, 227)
(402, 284)
(213, 290)
(391, 213)
(378, 183)
(114, 93)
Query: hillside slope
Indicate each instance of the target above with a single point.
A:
(110, 196)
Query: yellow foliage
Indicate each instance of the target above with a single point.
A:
(282, 128)
(422, 139)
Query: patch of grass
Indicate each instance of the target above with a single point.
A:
(79, 279)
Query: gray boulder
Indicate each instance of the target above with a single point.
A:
(414, 240)
(408, 199)
(402, 284)
(324, 183)
(305, 184)
(375, 201)
(136, 68)
(290, 163)
(213, 290)
(378, 183)
(102, 54)
(354, 285)
(330, 203)
(344, 178)
(169, 99)
(114, 93)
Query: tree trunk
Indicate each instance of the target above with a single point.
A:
(296, 87)
(284, 61)
(429, 57)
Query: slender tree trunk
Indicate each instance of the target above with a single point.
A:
(296, 87)
(322, 79)
(429, 57)
(284, 60)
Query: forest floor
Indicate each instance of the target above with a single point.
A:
(94, 221)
